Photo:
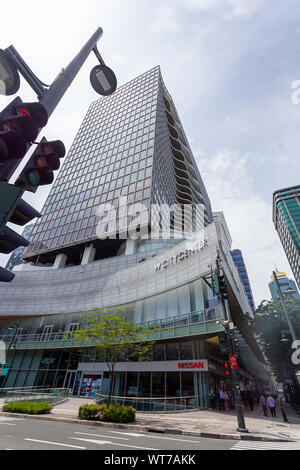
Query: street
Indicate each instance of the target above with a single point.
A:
(26, 434)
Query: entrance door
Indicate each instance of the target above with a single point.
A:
(90, 385)
(69, 381)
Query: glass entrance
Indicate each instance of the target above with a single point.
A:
(90, 385)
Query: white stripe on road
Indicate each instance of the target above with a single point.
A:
(55, 443)
(154, 437)
(110, 443)
(8, 424)
(266, 446)
(101, 435)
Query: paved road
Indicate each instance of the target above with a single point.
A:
(27, 434)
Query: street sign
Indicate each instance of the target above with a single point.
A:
(233, 361)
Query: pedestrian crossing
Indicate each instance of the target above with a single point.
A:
(254, 445)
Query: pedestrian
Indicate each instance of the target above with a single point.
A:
(221, 400)
(272, 405)
(230, 404)
(263, 404)
(250, 399)
(281, 401)
(212, 399)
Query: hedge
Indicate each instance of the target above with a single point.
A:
(113, 413)
(28, 407)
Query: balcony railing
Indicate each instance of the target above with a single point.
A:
(187, 324)
(153, 405)
(54, 396)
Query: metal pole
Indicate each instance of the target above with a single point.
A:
(52, 97)
(293, 333)
(236, 389)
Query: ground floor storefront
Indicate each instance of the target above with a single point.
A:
(182, 371)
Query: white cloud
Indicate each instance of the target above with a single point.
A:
(249, 217)
(165, 20)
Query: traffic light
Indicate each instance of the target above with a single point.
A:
(226, 368)
(222, 286)
(19, 127)
(17, 211)
(224, 343)
(39, 169)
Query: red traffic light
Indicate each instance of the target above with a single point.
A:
(226, 368)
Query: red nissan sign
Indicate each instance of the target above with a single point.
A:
(190, 365)
(233, 361)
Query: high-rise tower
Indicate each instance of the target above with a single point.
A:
(286, 218)
(131, 145)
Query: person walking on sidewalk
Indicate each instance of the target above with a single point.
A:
(212, 399)
(272, 405)
(221, 400)
(281, 402)
(263, 404)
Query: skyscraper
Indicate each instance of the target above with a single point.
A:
(130, 162)
(286, 218)
(241, 267)
(284, 283)
(130, 145)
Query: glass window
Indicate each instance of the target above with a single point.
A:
(131, 384)
(144, 384)
(173, 384)
(172, 351)
(158, 384)
(184, 305)
(187, 384)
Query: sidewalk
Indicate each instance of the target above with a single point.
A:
(204, 423)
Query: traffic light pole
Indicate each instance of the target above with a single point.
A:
(236, 387)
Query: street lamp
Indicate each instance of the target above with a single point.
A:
(9, 77)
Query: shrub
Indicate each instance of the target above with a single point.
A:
(113, 413)
(91, 412)
(28, 407)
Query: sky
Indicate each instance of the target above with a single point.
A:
(230, 66)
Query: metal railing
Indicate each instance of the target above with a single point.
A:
(153, 405)
(54, 396)
(206, 317)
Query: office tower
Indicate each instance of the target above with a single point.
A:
(241, 267)
(130, 145)
(286, 218)
(285, 284)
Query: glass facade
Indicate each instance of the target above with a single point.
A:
(130, 144)
(286, 217)
(241, 267)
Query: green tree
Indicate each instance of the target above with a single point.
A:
(270, 326)
(116, 335)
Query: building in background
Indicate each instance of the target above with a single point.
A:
(241, 267)
(16, 256)
(286, 218)
(284, 283)
(132, 145)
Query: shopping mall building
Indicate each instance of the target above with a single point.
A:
(129, 167)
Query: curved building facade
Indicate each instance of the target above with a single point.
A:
(128, 222)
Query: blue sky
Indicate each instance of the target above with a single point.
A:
(229, 66)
